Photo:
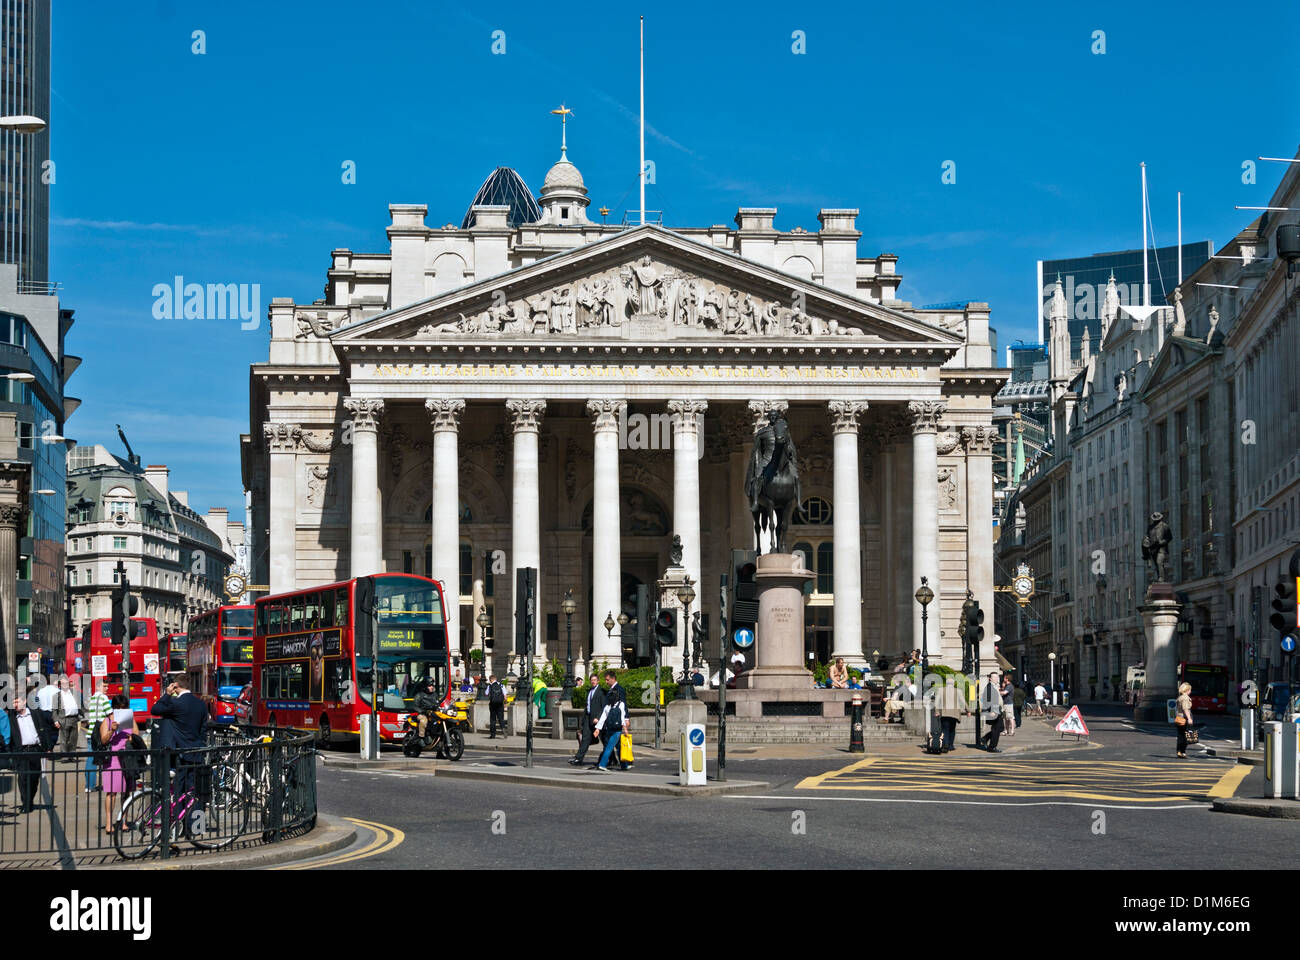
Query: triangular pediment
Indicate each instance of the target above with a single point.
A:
(1177, 354)
(647, 285)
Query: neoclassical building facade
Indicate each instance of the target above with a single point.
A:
(567, 395)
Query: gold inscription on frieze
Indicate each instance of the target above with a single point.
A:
(615, 371)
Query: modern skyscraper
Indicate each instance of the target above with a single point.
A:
(24, 157)
(1084, 281)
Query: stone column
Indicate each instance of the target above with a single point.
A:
(1160, 616)
(606, 534)
(979, 525)
(282, 497)
(11, 515)
(367, 519)
(444, 418)
(925, 516)
(525, 511)
(688, 417)
(847, 531)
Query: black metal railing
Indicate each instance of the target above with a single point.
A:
(248, 785)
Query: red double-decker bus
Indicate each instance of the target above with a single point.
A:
(149, 662)
(1209, 686)
(176, 645)
(219, 657)
(75, 659)
(314, 654)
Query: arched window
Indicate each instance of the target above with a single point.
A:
(814, 511)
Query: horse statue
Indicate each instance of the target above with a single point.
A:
(772, 481)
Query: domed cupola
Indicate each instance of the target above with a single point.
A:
(564, 195)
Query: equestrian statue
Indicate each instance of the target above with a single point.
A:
(772, 481)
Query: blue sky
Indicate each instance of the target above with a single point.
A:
(226, 167)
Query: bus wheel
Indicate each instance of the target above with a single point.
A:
(323, 737)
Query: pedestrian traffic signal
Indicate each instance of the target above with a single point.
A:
(744, 595)
(118, 626)
(1284, 616)
(666, 627)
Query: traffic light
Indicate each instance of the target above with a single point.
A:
(744, 595)
(525, 602)
(119, 615)
(1283, 619)
(972, 633)
(666, 627)
(642, 651)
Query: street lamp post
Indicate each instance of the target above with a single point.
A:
(924, 595)
(623, 621)
(1051, 666)
(686, 594)
(609, 636)
(483, 622)
(570, 607)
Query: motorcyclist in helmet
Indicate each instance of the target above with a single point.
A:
(426, 701)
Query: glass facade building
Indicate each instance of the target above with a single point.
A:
(1085, 279)
(24, 158)
(504, 187)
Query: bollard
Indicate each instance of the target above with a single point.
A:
(855, 728)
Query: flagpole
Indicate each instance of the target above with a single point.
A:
(1180, 238)
(641, 174)
(1146, 280)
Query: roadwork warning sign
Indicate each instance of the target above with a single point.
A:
(1073, 723)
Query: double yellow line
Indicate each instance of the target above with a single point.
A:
(386, 838)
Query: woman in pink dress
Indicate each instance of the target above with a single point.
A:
(116, 730)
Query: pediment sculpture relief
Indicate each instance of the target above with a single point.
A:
(650, 296)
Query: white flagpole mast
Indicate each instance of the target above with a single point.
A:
(641, 174)
(1180, 238)
(1146, 280)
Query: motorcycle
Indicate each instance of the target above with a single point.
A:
(442, 732)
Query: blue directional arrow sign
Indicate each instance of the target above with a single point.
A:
(697, 737)
(1288, 644)
(744, 637)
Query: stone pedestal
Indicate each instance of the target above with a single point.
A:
(1159, 620)
(683, 712)
(779, 644)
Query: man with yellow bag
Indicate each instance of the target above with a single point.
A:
(614, 723)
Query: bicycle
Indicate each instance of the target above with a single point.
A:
(209, 825)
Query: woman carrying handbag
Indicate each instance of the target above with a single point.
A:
(1183, 717)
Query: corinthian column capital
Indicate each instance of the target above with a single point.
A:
(281, 437)
(526, 414)
(926, 414)
(686, 414)
(444, 413)
(845, 413)
(606, 413)
(365, 411)
(978, 440)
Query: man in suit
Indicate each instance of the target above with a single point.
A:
(591, 713)
(613, 721)
(184, 718)
(31, 732)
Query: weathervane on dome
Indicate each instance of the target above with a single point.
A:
(564, 113)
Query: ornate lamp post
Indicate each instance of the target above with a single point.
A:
(923, 596)
(686, 594)
(609, 635)
(623, 621)
(570, 607)
(1051, 666)
(482, 620)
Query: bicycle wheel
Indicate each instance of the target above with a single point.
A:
(139, 826)
(224, 818)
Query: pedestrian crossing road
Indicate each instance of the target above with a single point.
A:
(1120, 781)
